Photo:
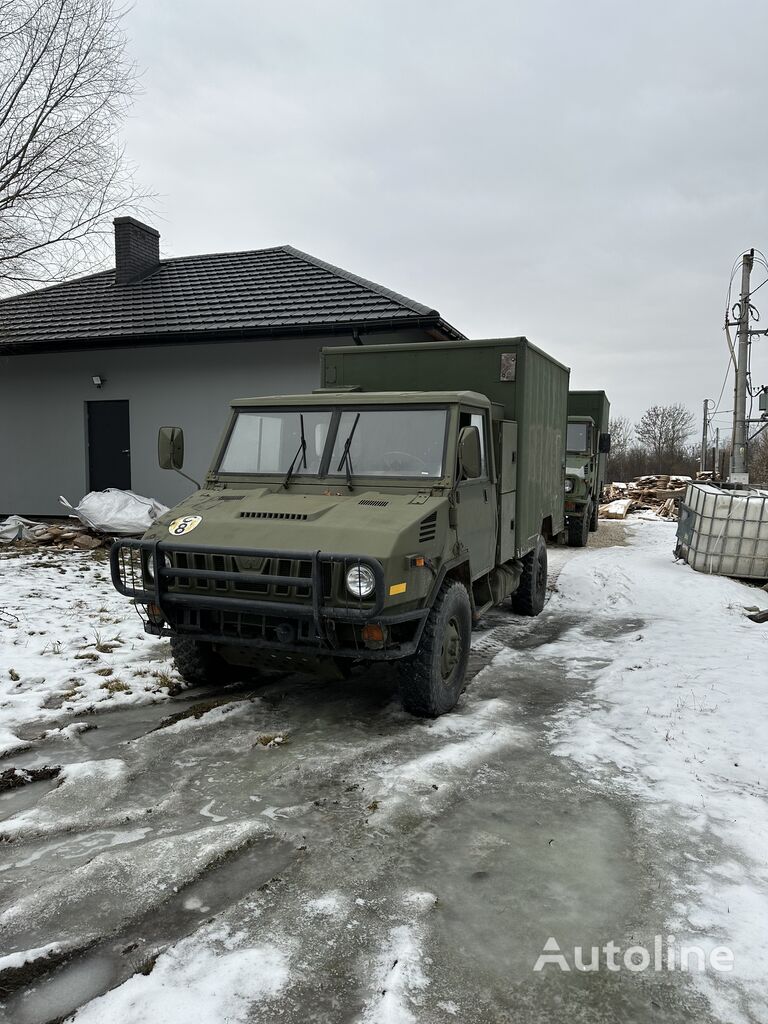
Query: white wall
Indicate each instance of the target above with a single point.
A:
(43, 449)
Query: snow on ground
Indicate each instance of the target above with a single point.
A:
(679, 719)
(202, 978)
(69, 643)
(27, 956)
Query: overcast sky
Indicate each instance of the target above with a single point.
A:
(584, 173)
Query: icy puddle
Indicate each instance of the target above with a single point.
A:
(108, 963)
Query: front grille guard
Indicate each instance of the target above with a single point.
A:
(128, 558)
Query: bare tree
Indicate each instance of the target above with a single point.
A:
(758, 459)
(65, 89)
(621, 431)
(663, 431)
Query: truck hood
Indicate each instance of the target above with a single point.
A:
(575, 466)
(364, 523)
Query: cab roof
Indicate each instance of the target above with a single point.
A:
(349, 396)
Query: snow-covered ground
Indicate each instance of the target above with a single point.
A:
(679, 721)
(603, 778)
(69, 642)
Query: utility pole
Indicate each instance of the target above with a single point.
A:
(704, 433)
(739, 471)
(716, 466)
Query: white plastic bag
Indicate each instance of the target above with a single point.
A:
(116, 511)
(17, 528)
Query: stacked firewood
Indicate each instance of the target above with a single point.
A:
(659, 493)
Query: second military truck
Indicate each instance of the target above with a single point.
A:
(373, 519)
(588, 442)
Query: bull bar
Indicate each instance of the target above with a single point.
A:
(122, 561)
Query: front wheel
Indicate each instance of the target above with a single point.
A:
(531, 593)
(431, 681)
(594, 521)
(198, 664)
(578, 529)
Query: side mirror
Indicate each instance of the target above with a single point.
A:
(604, 444)
(470, 460)
(170, 447)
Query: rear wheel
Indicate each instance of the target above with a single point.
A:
(531, 593)
(431, 681)
(578, 529)
(197, 662)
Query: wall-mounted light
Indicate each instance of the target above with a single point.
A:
(98, 381)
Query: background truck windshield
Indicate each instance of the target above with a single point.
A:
(393, 442)
(578, 439)
(267, 441)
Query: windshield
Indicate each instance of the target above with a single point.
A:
(578, 438)
(362, 441)
(391, 442)
(268, 441)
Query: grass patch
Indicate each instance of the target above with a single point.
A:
(116, 686)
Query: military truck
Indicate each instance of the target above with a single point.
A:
(588, 442)
(373, 519)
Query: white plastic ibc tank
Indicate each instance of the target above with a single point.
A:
(725, 532)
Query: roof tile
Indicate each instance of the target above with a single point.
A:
(222, 293)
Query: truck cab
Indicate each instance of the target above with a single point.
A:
(346, 525)
(587, 444)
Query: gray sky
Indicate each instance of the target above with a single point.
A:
(565, 170)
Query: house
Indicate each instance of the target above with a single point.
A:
(89, 369)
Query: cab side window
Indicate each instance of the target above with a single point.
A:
(476, 419)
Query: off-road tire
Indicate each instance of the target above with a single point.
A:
(531, 593)
(425, 688)
(578, 529)
(198, 664)
(595, 517)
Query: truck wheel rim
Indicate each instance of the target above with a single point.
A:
(449, 655)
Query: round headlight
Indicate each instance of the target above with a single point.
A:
(360, 581)
(568, 485)
(151, 565)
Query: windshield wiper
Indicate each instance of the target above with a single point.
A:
(346, 458)
(302, 451)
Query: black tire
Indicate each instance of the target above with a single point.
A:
(432, 680)
(595, 517)
(198, 664)
(531, 593)
(578, 529)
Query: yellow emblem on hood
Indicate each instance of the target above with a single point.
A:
(184, 525)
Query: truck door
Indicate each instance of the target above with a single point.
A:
(476, 508)
(506, 465)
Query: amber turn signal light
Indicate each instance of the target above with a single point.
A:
(373, 632)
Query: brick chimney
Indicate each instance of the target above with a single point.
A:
(137, 250)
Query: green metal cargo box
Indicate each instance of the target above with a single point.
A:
(594, 404)
(526, 386)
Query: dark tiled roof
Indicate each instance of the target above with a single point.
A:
(237, 294)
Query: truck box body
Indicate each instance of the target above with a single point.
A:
(594, 404)
(527, 388)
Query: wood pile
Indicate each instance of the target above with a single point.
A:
(660, 493)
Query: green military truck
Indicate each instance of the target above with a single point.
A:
(371, 520)
(588, 442)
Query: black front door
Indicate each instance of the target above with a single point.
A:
(109, 446)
